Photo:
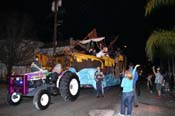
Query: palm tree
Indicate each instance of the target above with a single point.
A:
(161, 44)
(152, 4)
(162, 39)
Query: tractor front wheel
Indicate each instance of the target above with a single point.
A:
(14, 98)
(41, 100)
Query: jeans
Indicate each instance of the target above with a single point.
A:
(127, 101)
(99, 88)
(135, 96)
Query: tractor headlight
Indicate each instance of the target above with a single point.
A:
(19, 80)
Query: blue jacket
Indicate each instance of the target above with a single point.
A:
(135, 75)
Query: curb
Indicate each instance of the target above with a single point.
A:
(107, 112)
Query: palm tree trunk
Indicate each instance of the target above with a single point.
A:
(173, 66)
(161, 63)
(168, 65)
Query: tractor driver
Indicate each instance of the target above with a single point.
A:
(36, 66)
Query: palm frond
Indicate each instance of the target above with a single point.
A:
(161, 41)
(152, 4)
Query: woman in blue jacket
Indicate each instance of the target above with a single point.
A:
(127, 92)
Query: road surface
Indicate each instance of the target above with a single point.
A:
(86, 102)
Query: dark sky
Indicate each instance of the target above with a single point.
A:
(109, 17)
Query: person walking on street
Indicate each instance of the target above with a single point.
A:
(135, 79)
(158, 80)
(127, 93)
(149, 83)
(99, 76)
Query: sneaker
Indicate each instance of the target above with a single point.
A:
(118, 114)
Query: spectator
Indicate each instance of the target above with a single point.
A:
(127, 93)
(171, 82)
(122, 75)
(135, 78)
(99, 76)
(149, 83)
(158, 81)
(165, 85)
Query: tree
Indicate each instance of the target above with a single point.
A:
(162, 41)
(161, 44)
(152, 4)
(16, 35)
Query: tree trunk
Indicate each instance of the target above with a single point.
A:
(55, 28)
(169, 66)
(173, 66)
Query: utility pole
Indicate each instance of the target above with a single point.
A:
(55, 8)
(55, 26)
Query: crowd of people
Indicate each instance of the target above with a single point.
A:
(156, 81)
(160, 81)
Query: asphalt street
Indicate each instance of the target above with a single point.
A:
(88, 105)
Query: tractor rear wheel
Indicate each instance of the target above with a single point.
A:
(69, 86)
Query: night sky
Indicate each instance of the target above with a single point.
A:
(113, 17)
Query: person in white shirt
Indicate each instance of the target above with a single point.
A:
(158, 80)
(102, 52)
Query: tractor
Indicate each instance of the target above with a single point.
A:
(41, 85)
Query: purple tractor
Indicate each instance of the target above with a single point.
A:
(41, 85)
